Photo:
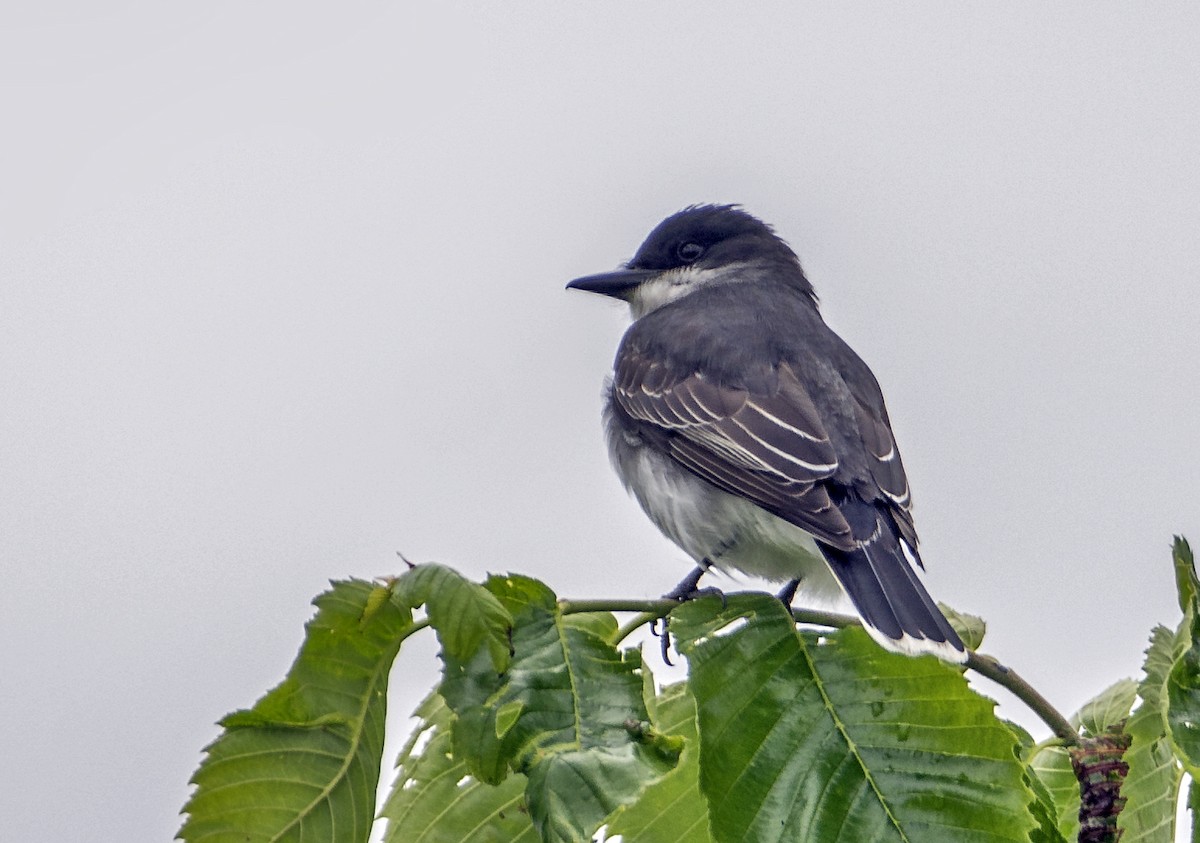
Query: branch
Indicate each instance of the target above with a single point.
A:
(984, 665)
(649, 611)
(991, 668)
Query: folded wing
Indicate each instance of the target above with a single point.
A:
(768, 446)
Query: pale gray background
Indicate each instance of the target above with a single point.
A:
(281, 294)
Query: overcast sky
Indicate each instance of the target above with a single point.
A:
(281, 293)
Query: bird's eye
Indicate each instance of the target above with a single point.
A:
(688, 252)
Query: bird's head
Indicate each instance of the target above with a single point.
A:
(697, 247)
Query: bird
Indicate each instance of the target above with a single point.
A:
(752, 435)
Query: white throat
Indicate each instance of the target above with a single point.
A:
(674, 284)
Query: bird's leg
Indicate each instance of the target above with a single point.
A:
(689, 587)
(788, 593)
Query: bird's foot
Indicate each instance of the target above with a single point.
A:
(689, 588)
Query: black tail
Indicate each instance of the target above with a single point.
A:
(893, 604)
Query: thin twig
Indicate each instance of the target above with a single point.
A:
(985, 665)
(648, 612)
(988, 666)
(659, 606)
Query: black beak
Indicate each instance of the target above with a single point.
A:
(617, 283)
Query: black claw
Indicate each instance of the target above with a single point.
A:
(664, 641)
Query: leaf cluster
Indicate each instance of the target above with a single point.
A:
(546, 726)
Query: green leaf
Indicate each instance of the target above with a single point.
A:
(1183, 706)
(303, 763)
(507, 716)
(1024, 739)
(824, 737)
(435, 800)
(1151, 786)
(1164, 723)
(672, 809)
(463, 613)
(576, 738)
(518, 593)
(1108, 709)
(1051, 765)
(1186, 583)
(567, 714)
(599, 624)
(478, 742)
(376, 600)
(571, 792)
(1056, 807)
(970, 628)
(1183, 682)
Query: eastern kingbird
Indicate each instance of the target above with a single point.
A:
(751, 434)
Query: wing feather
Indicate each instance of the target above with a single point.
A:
(887, 470)
(771, 448)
